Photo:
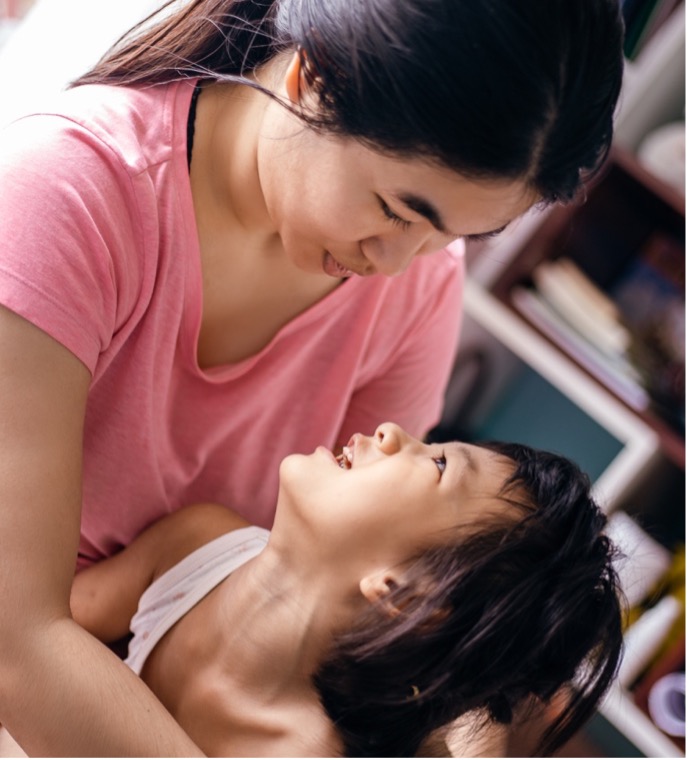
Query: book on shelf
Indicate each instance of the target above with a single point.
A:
(613, 370)
(650, 294)
(630, 338)
(593, 314)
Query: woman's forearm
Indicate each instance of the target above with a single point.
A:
(61, 691)
(65, 694)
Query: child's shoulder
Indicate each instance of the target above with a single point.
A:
(294, 730)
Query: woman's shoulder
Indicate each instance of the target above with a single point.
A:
(140, 125)
(145, 125)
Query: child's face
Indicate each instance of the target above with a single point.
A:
(398, 495)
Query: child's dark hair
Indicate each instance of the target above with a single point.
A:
(527, 609)
(488, 88)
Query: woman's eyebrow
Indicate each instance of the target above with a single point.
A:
(427, 209)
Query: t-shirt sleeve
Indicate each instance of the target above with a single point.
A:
(409, 388)
(69, 254)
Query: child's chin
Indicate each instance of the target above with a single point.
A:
(295, 468)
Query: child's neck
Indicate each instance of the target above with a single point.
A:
(285, 619)
(236, 671)
(251, 654)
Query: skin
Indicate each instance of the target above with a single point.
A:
(56, 678)
(277, 192)
(275, 195)
(446, 486)
(236, 670)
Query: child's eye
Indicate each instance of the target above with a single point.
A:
(440, 462)
(392, 216)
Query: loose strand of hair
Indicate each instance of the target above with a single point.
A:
(180, 46)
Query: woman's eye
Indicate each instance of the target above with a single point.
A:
(440, 462)
(392, 216)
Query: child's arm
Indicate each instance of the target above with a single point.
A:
(105, 596)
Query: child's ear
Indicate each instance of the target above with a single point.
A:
(299, 79)
(376, 588)
(292, 78)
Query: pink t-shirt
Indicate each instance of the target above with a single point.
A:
(100, 250)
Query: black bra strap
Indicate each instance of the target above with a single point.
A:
(190, 124)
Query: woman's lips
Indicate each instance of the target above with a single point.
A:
(334, 268)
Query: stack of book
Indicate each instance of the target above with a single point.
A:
(650, 294)
(567, 307)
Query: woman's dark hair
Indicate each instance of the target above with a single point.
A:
(488, 88)
(512, 614)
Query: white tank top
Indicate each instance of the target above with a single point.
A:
(185, 584)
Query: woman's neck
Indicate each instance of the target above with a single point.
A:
(224, 174)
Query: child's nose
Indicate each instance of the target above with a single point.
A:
(390, 437)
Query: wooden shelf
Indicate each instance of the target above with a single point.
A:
(603, 235)
(662, 189)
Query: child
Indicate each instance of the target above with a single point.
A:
(402, 586)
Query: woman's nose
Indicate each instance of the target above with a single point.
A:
(391, 438)
(392, 254)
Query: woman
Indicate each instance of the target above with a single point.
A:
(184, 278)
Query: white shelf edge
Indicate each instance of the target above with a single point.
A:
(641, 444)
(622, 713)
(651, 82)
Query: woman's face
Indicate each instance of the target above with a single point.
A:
(395, 495)
(341, 208)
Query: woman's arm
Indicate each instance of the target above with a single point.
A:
(61, 691)
(105, 596)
